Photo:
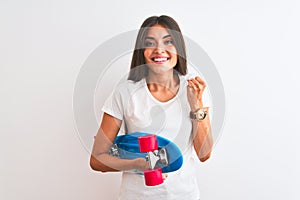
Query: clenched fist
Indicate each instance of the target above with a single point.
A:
(195, 90)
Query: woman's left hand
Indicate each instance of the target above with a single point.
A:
(195, 90)
(164, 176)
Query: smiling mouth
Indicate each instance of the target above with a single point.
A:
(160, 60)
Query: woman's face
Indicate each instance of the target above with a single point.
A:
(159, 52)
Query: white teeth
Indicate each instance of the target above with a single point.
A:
(160, 59)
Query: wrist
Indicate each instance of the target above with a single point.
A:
(199, 114)
(196, 106)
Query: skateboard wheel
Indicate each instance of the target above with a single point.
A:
(153, 177)
(148, 143)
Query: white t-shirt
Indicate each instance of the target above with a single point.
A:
(133, 103)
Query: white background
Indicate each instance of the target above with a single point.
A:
(254, 45)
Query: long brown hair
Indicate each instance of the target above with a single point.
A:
(138, 68)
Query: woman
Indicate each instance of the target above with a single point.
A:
(157, 98)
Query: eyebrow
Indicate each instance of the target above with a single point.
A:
(152, 38)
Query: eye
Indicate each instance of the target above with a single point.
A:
(149, 44)
(167, 42)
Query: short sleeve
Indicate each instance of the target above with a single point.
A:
(113, 105)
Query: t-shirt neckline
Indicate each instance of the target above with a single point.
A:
(169, 101)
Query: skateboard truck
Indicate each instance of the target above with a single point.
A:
(114, 150)
(157, 156)
(153, 157)
(149, 144)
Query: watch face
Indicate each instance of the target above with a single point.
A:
(200, 115)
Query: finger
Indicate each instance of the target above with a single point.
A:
(197, 85)
(164, 176)
(202, 82)
(192, 86)
(189, 83)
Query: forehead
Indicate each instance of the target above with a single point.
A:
(157, 31)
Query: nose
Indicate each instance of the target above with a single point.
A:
(160, 48)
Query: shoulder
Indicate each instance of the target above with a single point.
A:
(183, 80)
(128, 86)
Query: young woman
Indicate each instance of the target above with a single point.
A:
(157, 98)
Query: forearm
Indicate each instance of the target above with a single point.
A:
(107, 163)
(202, 138)
(100, 159)
(201, 130)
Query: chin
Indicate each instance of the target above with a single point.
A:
(160, 69)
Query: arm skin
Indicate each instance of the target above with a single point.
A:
(201, 130)
(100, 159)
(203, 141)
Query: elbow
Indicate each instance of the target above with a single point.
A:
(96, 165)
(205, 158)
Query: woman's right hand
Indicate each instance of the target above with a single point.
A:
(141, 164)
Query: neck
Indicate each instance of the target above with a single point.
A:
(164, 81)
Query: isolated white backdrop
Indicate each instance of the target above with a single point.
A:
(254, 45)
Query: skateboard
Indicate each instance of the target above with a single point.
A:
(161, 154)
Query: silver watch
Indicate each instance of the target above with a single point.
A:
(199, 114)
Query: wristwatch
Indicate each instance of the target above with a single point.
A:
(199, 114)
